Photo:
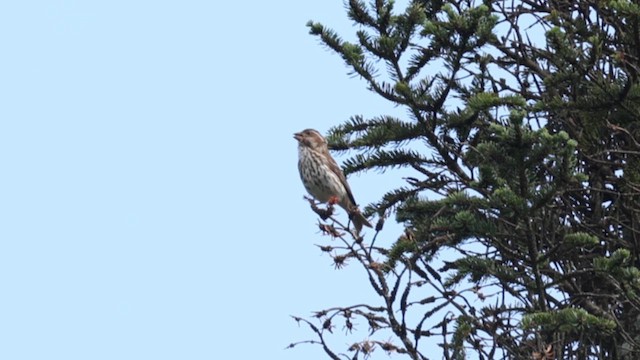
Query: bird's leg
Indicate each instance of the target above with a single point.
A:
(333, 200)
(323, 213)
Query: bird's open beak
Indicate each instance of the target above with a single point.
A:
(297, 136)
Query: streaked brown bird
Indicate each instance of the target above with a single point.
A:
(322, 177)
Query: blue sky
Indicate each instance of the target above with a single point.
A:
(150, 205)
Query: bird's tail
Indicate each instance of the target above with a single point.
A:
(358, 219)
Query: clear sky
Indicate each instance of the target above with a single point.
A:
(150, 205)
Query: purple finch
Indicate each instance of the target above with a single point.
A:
(323, 178)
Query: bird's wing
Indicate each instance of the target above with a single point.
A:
(335, 168)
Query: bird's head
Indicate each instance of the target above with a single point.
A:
(311, 138)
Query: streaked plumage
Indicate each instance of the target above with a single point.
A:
(322, 177)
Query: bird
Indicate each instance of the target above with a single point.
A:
(322, 177)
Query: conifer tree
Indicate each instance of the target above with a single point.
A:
(522, 218)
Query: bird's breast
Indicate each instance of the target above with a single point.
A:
(318, 178)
